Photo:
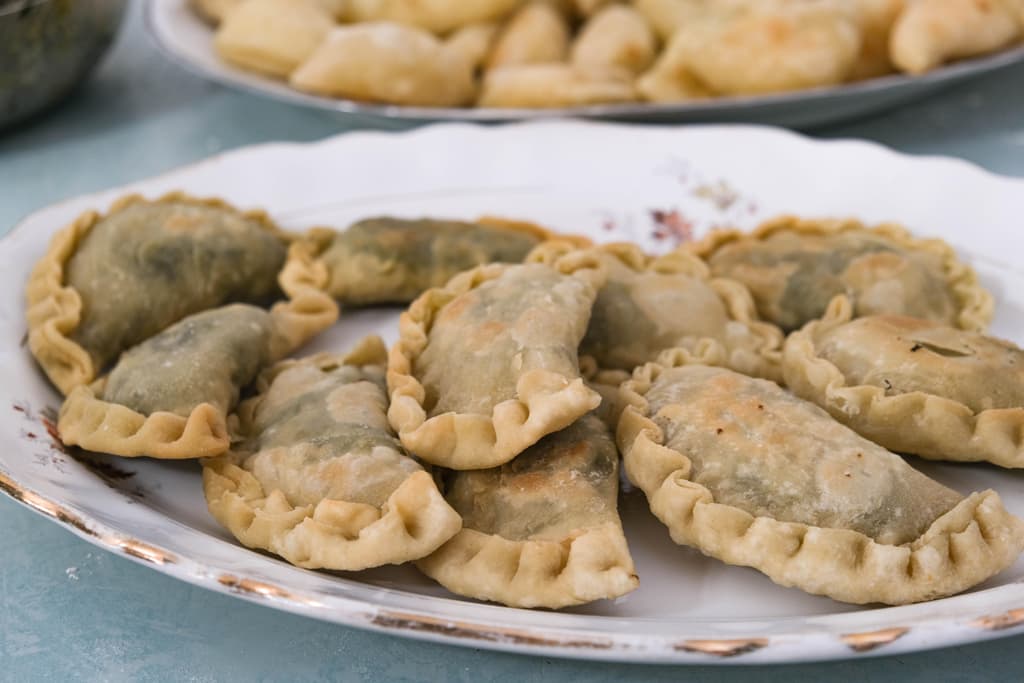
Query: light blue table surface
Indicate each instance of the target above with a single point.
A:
(69, 611)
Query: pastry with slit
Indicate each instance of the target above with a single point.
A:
(649, 304)
(393, 260)
(170, 396)
(486, 366)
(913, 386)
(929, 33)
(542, 530)
(272, 36)
(382, 61)
(749, 474)
(794, 267)
(108, 282)
(317, 476)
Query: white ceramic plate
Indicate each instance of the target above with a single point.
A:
(650, 184)
(187, 40)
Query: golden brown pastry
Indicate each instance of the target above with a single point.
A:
(931, 32)
(486, 366)
(616, 37)
(394, 260)
(437, 16)
(388, 62)
(767, 46)
(272, 36)
(536, 34)
(913, 386)
(745, 472)
(170, 396)
(666, 16)
(794, 267)
(649, 304)
(876, 19)
(542, 530)
(318, 477)
(553, 86)
(474, 42)
(108, 282)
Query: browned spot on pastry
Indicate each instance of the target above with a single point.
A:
(491, 634)
(864, 642)
(145, 552)
(998, 622)
(723, 648)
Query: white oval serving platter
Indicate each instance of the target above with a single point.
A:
(185, 39)
(655, 185)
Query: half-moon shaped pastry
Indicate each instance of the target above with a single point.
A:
(536, 34)
(108, 282)
(542, 530)
(751, 475)
(394, 260)
(554, 85)
(387, 62)
(272, 36)
(318, 476)
(486, 366)
(766, 46)
(170, 396)
(913, 386)
(649, 304)
(793, 267)
(616, 37)
(931, 32)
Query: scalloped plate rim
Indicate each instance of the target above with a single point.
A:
(873, 635)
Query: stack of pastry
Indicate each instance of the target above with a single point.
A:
(566, 53)
(485, 447)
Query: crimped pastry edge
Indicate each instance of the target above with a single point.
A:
(976, 303)
(975, 540)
